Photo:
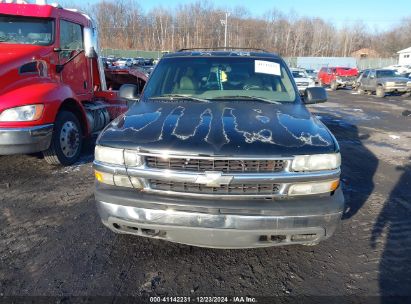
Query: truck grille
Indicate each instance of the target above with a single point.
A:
(400, 84)
(239, 189)
(226, 166)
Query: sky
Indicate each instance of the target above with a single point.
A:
(378, 15)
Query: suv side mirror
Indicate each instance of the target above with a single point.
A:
(130, 93)
(315, 95)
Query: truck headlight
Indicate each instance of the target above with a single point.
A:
(109, 155)
(316, 162)
(313, 188)
(409, 83)
(132, 158)
(390, 84)
(24, 113)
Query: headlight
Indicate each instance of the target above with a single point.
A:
(24, 113)
(316, 162)
(313, 188)
(390, 84)
(409, 83)
(109, 155)
(132, 159)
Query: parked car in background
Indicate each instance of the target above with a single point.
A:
(138, 61)
(383, 81)
(337, 77)
(220, 151)
(123, 62)
(302, 79)
(149, 61)
(401, 70)
(312, 74)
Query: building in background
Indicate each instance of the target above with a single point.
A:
(365, 53)
(405, 57)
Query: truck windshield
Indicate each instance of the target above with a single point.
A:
(219, 78)
(26, 30)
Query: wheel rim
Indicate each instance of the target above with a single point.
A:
(69, 139)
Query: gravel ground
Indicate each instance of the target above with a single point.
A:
(52, 242)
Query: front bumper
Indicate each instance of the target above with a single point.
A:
(220, 223)
(25, 140)
(401, 89)
(346, 83)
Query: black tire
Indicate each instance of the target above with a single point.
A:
(380, 92)
(67, 140)
(334, 86)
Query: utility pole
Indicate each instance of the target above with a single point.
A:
(225, 23)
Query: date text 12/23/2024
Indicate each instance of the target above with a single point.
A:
(200, 299)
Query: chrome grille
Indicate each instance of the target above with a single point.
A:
(237, 189)
(400, 84)
(221, 165)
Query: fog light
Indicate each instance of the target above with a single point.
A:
(137, 183)
(122, 181)
(313, 188)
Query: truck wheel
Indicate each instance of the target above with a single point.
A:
(380, 93)
(334, 86)
(66, 142)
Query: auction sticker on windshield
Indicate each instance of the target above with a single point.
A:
(267, 67)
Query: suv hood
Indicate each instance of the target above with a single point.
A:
(303, 79)
(220, 128)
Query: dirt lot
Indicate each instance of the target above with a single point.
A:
(52, 242)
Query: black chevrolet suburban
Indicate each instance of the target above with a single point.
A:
(220, 151)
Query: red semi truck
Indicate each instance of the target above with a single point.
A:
(53, 89)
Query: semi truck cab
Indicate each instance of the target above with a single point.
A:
(53, 90)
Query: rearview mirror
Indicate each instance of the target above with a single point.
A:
(315, 95)
(129, 92)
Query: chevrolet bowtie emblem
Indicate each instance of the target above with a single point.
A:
(214, 179)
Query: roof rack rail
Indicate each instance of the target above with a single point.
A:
(224, 49)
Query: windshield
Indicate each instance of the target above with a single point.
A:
(25, 30)
(219, 78)
(299, 74)
(386, 74)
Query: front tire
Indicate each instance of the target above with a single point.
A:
(380, 93)
(67, 141)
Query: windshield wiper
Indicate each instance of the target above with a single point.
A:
(179, 96)
(248, 97)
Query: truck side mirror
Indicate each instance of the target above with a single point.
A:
(90, 43)
(130, 93)
(315, 95)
